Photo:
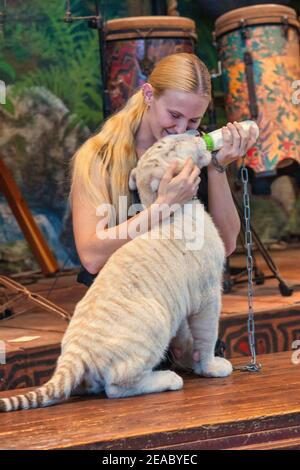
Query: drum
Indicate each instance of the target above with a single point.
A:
(134, 45)
(258, 47)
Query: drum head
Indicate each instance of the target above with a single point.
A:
(150, 27)
(254, 15)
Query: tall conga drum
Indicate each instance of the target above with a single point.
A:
(259, 50)
(134, 45)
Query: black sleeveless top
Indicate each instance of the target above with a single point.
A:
(84, 277)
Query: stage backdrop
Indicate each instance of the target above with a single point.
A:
(53, 104)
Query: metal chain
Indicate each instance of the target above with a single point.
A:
(253, 366)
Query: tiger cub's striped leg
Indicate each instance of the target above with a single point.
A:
(204, 328)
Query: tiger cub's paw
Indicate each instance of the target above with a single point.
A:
(217, 367)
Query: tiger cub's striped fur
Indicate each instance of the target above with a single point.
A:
(147, 292)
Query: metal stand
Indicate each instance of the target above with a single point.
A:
(8, 286)
(233, 275)
(31, 231)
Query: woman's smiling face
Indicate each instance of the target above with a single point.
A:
(175, 112)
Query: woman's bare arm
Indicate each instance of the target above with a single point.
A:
(222, 208)
(95, 245)
(95, 242)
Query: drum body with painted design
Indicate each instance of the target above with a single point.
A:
(134, 45)
(259, 50)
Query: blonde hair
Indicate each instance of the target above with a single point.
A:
(102, 165)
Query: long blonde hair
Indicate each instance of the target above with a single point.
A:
(102, 165)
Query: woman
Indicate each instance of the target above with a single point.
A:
(173, 101)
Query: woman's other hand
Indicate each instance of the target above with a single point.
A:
(236, 143)
(179, 187)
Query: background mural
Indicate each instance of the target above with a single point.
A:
(51, 70)
(53, 103)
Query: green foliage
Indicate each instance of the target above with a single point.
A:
(62, 57)
(7, 69)
(8, 106)
(205, 48)
(112, 9)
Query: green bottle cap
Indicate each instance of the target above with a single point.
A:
(209, 142)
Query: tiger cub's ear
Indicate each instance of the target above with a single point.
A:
(132, 180)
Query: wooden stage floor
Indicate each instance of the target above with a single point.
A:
(32, 340)
(243, 411)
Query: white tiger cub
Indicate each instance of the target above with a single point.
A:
(148, 290)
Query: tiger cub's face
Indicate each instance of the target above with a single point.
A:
(151, 167)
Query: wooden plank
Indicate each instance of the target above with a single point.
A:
(266, 439)
(27, 223)
(283, 444)
(275, 329)
(205, 410)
